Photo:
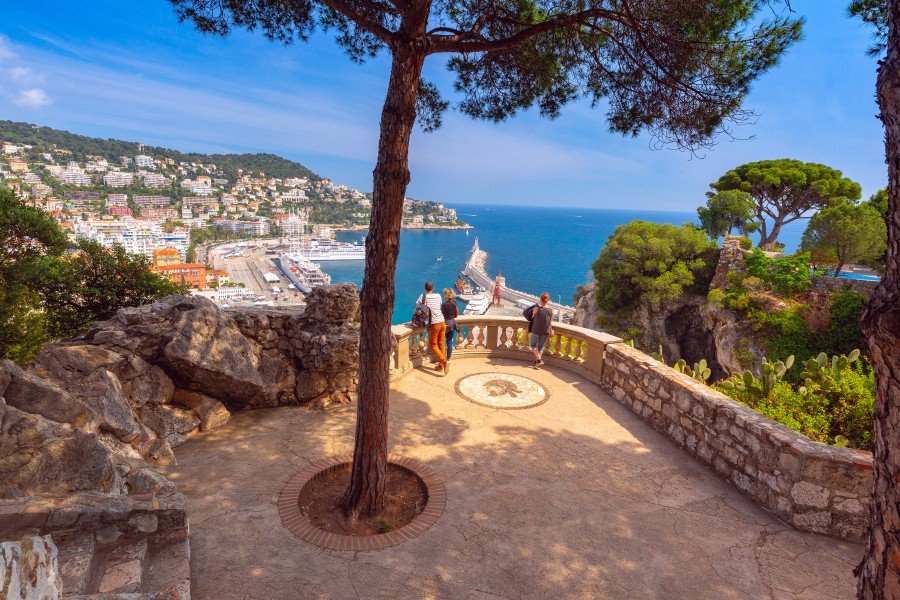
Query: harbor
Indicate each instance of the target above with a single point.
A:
(515, 300)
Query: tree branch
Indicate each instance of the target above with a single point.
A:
(472, 41)
(349, 10)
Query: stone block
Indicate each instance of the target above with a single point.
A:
(815, 521)
(810, 495)
(28, 569)
(851, 506)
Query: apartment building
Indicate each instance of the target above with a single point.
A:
(142, 160)
(117, 200)
(118, 180)
(157, 201)
(18, 165)
(165, 257)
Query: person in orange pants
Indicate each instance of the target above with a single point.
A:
(438, 328)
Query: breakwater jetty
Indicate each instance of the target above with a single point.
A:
(475, 270)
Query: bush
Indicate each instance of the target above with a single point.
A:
(787, 274)
(745, 242)
(835, 404)
(652, 263)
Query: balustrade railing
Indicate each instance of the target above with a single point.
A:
(571, 347)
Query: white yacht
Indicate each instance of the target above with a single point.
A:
(477, 306)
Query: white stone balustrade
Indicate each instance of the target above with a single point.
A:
(570, 347)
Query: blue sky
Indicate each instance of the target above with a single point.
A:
(128, 70)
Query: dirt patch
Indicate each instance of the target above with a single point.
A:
(405, 497)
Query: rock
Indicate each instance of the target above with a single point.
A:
(210, 411)
(32, 394)
(333, 304)
(5, 378)
(169, 422)
(89, 374)
(310, 384)
(29, 570)
(208, 356)
(40, 456)
(145, 479)
(326, 400)
(331, 351)
(278, 371)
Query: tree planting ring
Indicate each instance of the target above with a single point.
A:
(299, 524)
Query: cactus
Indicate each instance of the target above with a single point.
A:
(658, 355)
(821, 371)
(770, 373)
(700, 372)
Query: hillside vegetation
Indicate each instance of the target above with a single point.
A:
(81, 146)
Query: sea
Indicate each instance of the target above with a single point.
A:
(537, 249)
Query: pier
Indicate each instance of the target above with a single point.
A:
(475, 270)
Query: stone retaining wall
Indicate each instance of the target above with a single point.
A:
(28, 569)
(812, 486)
(837, 284)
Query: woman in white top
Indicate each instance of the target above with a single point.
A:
(437, 329)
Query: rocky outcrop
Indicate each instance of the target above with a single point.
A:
(84, 428)
(91, 413)
(690, 328)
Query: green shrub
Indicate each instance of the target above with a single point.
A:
(652, 263)
(787, 274)
(745, 242)
(835, 405)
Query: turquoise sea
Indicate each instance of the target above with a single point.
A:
(536, 248)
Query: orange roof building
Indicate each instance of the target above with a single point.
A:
(166, 256)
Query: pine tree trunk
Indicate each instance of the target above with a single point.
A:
(365, 495)
(879, 572)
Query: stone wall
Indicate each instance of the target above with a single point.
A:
(837, 284)
(137, 544)
(811, 486)
(28, 569)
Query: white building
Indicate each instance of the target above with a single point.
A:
(117, 200)
(201, 189)
(75, 178)
(137, 237)
(118, 179)
(154, 180)
(142, 160)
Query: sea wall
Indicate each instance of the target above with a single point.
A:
(812, 486)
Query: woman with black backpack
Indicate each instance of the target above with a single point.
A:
(450, 311)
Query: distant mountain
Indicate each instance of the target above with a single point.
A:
(81, 146)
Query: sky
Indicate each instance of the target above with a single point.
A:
(129, 70)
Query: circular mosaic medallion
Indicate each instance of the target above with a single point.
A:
(501, 390)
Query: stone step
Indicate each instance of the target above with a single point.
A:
(122, 568)
(76, 558)
(167, 568)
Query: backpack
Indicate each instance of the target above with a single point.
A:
(421, 316)
(528, 313)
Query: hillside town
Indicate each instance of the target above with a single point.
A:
(158, 207)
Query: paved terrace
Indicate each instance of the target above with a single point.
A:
(575, 498)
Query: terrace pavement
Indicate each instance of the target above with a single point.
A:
(575, 498)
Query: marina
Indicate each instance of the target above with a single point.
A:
(475, 271)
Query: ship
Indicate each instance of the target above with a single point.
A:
(319, 249)
(464, 290)
(319, 244)
(477, 306)
(303, 273)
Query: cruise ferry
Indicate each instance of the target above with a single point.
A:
(303, 273)
(318, 249)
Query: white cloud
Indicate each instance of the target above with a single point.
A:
(6, 49)
(14, 76)
(33, 98)
(21, 74)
